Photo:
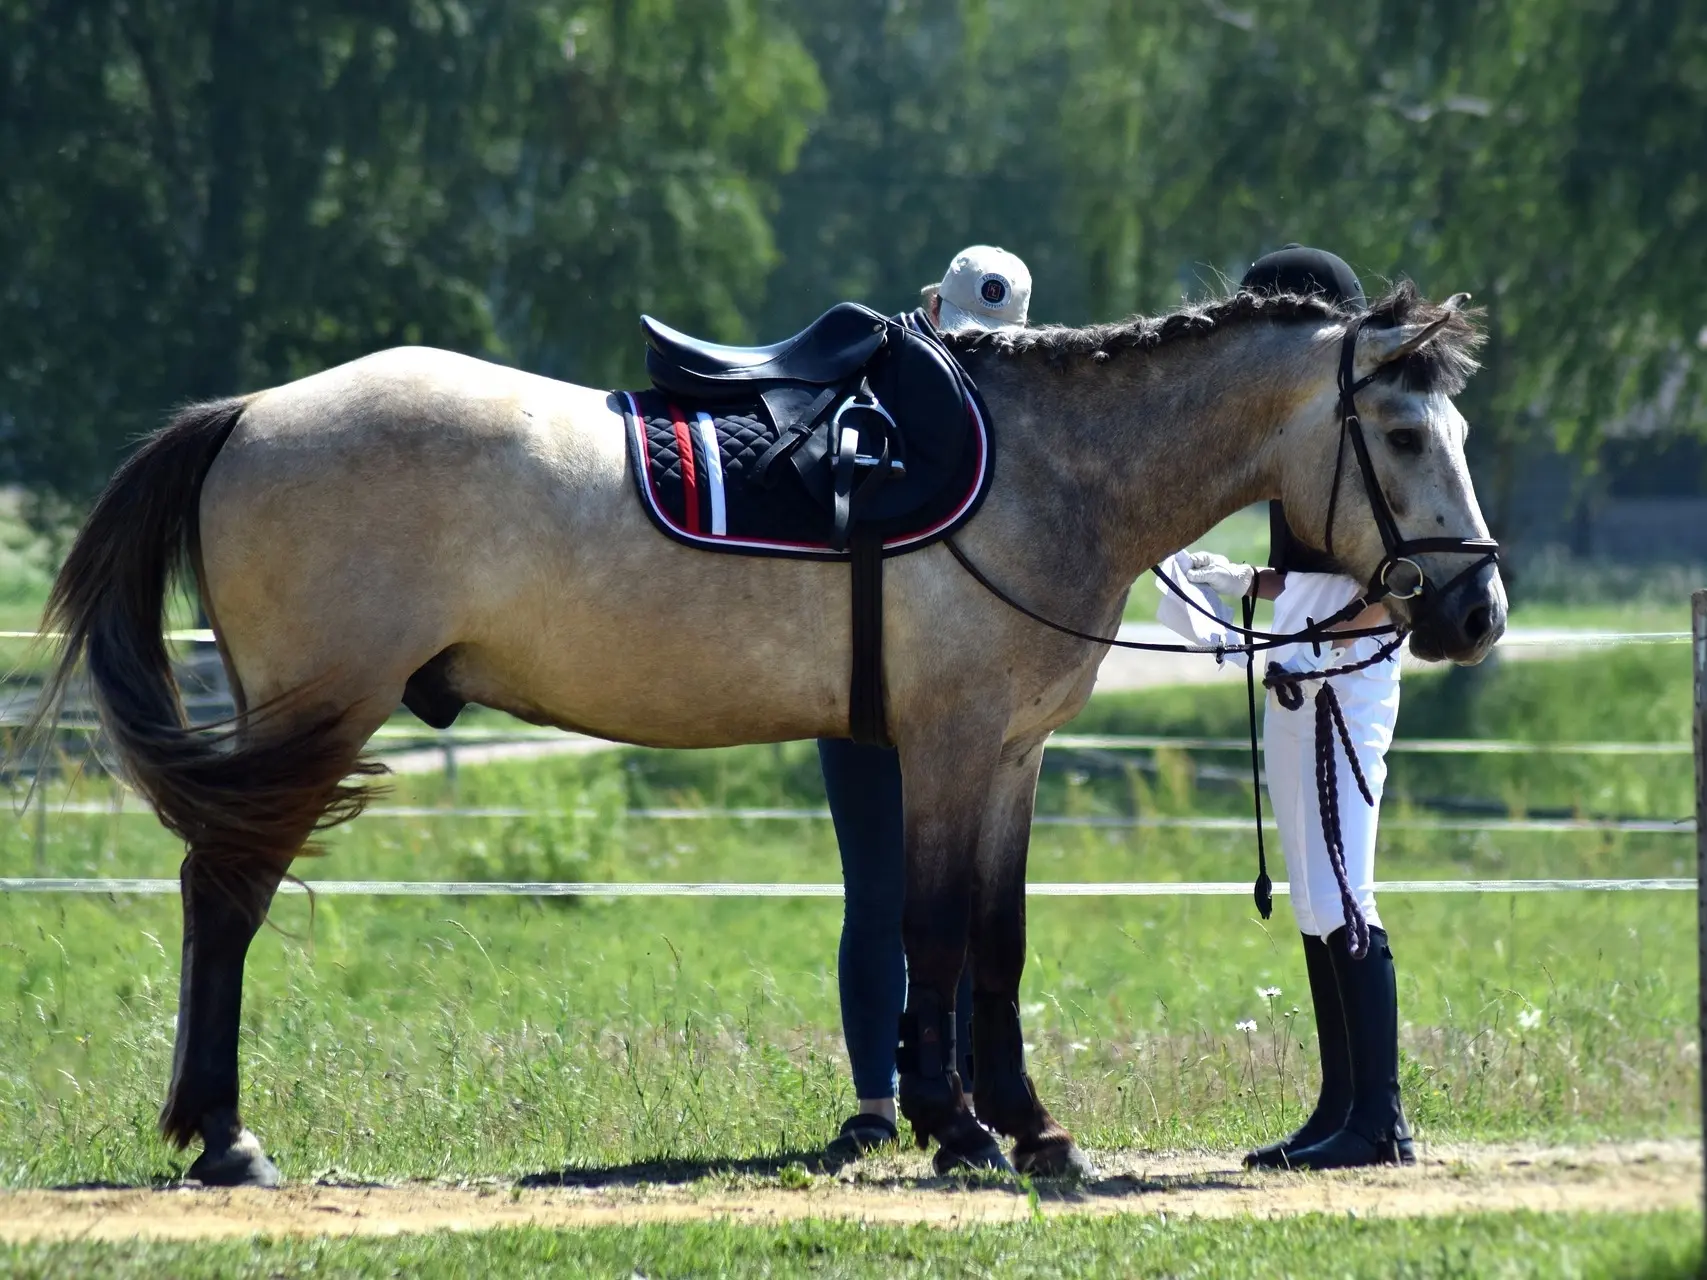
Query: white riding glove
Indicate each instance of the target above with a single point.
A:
(1220, 575)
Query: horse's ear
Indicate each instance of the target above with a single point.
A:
(1376, 347)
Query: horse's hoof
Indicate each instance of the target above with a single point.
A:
(946, 1162)
(969, 1146)
(1055, 1158)
(242, 1164)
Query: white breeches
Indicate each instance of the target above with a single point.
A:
(1289, 742)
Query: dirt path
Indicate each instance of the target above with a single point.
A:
(1627, 1178)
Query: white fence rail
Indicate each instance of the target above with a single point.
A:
(472, 737)
(722, 889)
(1184, 822)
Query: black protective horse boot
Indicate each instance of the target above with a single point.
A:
(1375, 1131)
(931, 1096)
(1333, 1104)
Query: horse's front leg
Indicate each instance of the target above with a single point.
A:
(1005, 1096)
(944, 785)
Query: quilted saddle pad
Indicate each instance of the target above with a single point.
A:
(694, 467)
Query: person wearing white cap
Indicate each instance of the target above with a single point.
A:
(986, 288)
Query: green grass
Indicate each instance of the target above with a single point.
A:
(1554, 1246)
(1547, 589)
(1635, 694)
(464, 1038)
(424, 1038)
(1637, 616)
(420, 1037)
(1556, 594)
(25, 570)
(398, 1038)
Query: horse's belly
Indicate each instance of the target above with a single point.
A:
(676, 705)
(665, 645)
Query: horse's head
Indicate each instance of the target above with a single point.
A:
(1398, 506)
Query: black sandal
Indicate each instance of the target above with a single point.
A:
(859, 1136)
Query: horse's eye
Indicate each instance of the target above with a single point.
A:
(1405, 440)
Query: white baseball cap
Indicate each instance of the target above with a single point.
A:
(985, 288)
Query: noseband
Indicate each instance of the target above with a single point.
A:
(1398, 549)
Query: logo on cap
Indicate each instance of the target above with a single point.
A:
(993, 291)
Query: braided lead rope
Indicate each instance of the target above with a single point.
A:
(1330, 726)
(1328, 801)
(1331, 699)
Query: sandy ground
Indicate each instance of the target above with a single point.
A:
(1624, 1178)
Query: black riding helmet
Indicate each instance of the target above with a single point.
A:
(1296, 269)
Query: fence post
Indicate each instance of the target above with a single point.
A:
(39, 856)
(1698, 653)
(449, 744)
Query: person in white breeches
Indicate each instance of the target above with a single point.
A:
(1370, 701)
(1358, 1119)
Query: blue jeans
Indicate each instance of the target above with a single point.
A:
(864, 789)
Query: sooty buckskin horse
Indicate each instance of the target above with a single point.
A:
(422, 515)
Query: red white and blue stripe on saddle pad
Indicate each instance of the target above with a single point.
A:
(694, 469)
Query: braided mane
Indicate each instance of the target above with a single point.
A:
(1444, 364)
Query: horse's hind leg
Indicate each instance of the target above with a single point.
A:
(944, 806)
(220, 921)
(229, 875)
(1006, 1099)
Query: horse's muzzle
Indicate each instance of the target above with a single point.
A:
(1464, 622)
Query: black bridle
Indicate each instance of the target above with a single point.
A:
(1397, 549)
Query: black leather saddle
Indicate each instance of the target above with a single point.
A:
(834, 346)
(880, 425)
(872, 412)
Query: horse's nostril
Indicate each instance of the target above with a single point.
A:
(1478, 622)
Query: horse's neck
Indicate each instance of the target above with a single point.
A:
(1152, 449)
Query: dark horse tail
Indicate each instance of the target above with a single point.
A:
(243, 794)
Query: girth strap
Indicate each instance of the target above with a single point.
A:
(867, 721)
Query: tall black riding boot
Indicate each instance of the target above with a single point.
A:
(1333, 1103)
(1375, 1131)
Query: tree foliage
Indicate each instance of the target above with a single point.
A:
(205, 196)
(1534, 152)
(1546, 155)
